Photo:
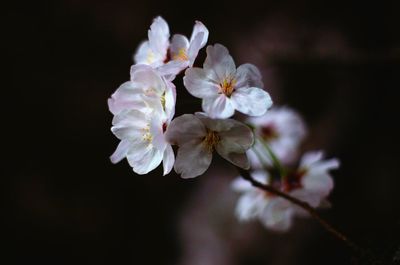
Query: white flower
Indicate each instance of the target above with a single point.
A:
(170, 58)
(224, 88)
(255, 203)
(310, 183)
(198, 136)
(143, 109)
(142, 138)
(145, 82)
(185, 50)
(283, 130)
(153, 52)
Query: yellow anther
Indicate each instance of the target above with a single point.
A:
(227, 86)
(181, 56)
(211, 140)
(150, 57)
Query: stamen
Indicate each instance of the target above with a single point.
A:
(211, 140)
(181, 56)
(227, 86)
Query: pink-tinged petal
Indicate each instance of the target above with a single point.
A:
(121, 151)
(199, 84)
(218, 107)
(130, 118)
(159, 36)
(143, 53)
(168, 159)
(252, 101)
(200, 28)
(151, 81)
(179, 47)
(143, 158)
(126, 132)
(220, 62)
(184, 129)
(127, 96)
(194, 48)
(192, 160)
(248, 75)
(172, 68)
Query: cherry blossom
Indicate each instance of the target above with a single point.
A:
(143, 108)
(310, 182)
(170, 57)
(283, 130)
(198, 136)
(225, 88)
(145, 82)
(143, 143)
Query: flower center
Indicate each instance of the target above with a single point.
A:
(227, 86)
(211, 140)
(292, 181)
(181, 56)
(150, 57)
(147, 137)
(269, 132)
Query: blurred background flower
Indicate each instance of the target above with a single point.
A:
(336, 63)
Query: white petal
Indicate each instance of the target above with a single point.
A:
(172, 68)
(126, 97)
(321, 184)
(143, 158)
(150, 80)
(199, 83)
(170, 100)
(218, 107)
(241, 185)
(200, 28)
(143, 54)
(192, 160)
(179, 44)
(220, 62)
(250, 205)
(277, 215)
(130, 118)
(310, 158)
(237, 159)
(168, 159)
(159, 36)
(252, 101)
(194, 48)
(121, 151)
(156, 131)
(237, 136)
(185, 128)
(248, 75)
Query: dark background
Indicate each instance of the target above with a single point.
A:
(337, 63)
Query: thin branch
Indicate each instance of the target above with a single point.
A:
(360, 251)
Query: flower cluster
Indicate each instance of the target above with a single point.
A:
(267, 141)
(278, 136)
(144, 107)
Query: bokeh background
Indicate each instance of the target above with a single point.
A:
(337, 63)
